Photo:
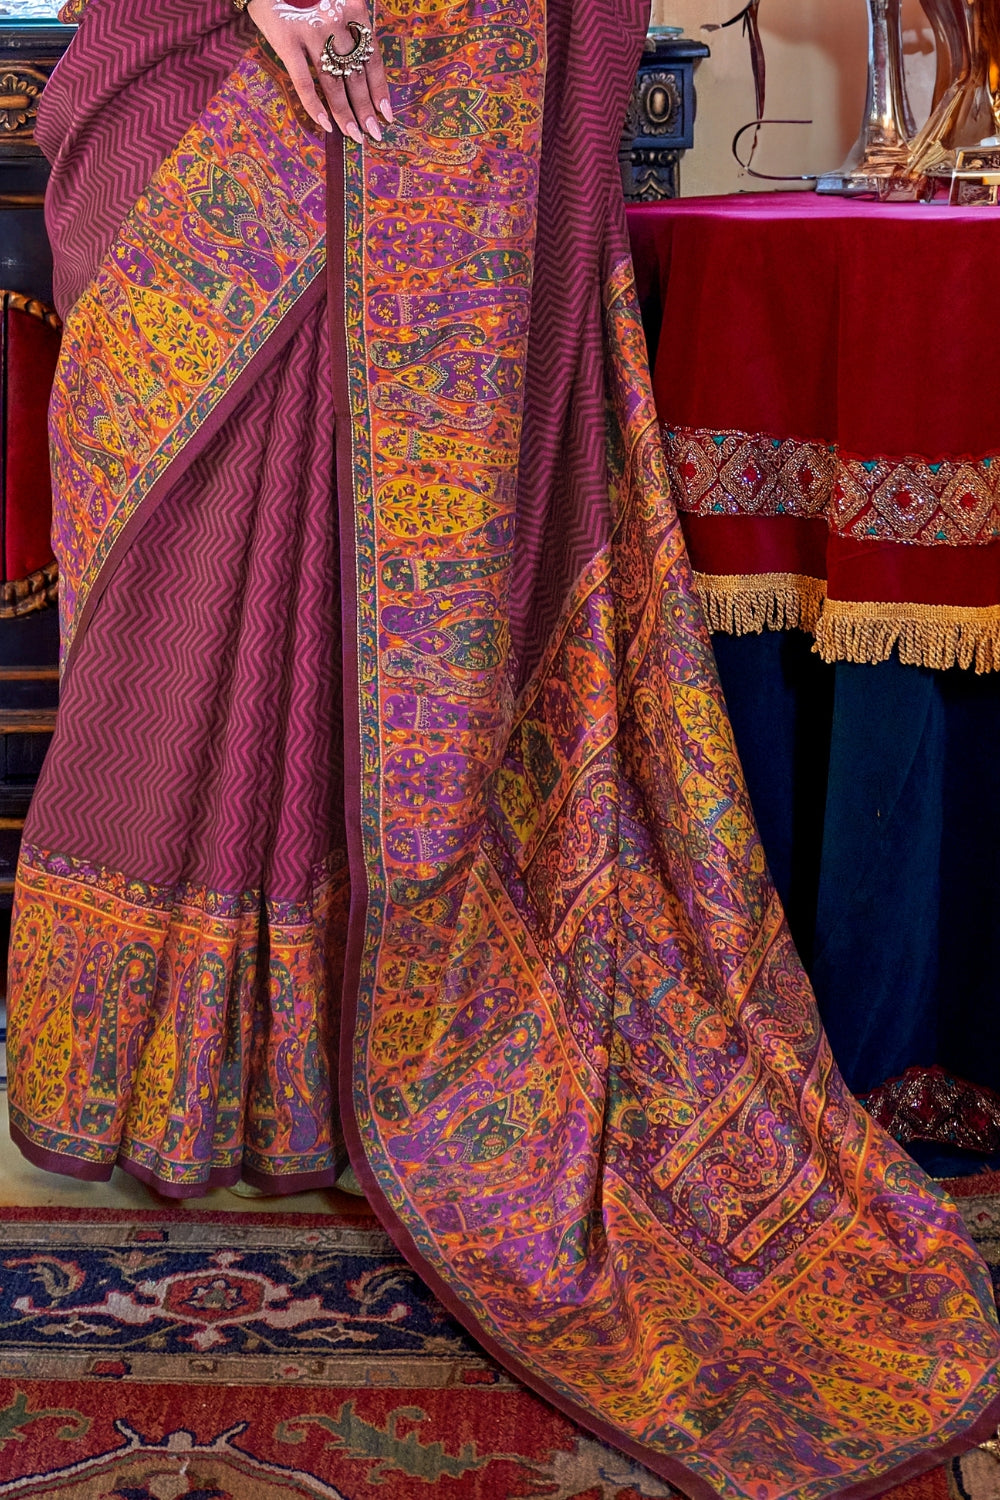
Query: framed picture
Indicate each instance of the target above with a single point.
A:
(976, 178)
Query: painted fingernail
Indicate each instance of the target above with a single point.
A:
(324, 121)
(371, 125)
(352, 130)
(386, 110)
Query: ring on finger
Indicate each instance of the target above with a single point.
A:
(343, 65)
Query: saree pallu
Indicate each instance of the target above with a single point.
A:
(581, 1074)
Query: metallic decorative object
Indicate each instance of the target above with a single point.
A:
(967, 110)
(346, 64)
(659, 126)
(947, 20)
(976, 178)
(880, 160)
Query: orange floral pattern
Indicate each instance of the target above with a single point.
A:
(145, 1031)
(589, 1083)
(589, 1079)
(214, 255)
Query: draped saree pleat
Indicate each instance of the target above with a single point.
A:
(582, 1076)
(184, 859)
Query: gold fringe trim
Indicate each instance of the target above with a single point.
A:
(750, 603)
(925, 635)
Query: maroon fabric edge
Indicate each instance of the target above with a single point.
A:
(979, 1185)
(218, 1177)
(10, 1215)
(291, 1182)
(981, 1431)
(86, 1171)
(268, 351)
(668, 1469)
(51, 1161)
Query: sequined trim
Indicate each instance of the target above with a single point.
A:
(951, 502)
(929, 1104)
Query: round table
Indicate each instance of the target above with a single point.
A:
(831, 414)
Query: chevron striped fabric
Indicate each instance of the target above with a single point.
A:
(469, 881)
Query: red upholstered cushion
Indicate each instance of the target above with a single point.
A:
(29, 348)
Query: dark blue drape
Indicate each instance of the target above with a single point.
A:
(878, 797)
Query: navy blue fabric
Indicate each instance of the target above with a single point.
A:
(879, 807)
(780, 700)
(875, 960)
(969, 969)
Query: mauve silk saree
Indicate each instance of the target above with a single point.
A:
(393, 806)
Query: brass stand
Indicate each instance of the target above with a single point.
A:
(967, 113)
(880, 160)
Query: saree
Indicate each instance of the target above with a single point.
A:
(393, 809)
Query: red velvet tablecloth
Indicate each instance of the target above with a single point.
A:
(829, 387)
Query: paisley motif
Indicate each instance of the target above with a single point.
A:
(145, 1032)
(214, 255)
(590, 1086)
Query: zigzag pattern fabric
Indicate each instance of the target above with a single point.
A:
(180, 912)
(582, 1074)
(122, 105)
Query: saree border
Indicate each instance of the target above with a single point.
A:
(117, 435)
(348, 225)
(360, 737)
(264, 355)
(122, 937)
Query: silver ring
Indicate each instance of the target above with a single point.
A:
(342, 65)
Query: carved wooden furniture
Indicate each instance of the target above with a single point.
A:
(659, 127)
(29, 631)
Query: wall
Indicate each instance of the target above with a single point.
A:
(816, 69)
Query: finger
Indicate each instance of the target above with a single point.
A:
(340, 107)
(340, 91)
(362, 104)
(296, 61)
(378, 84)
(305, 86)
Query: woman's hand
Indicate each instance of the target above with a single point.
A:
(298, 35)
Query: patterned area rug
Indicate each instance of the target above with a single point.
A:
(195, 1356)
